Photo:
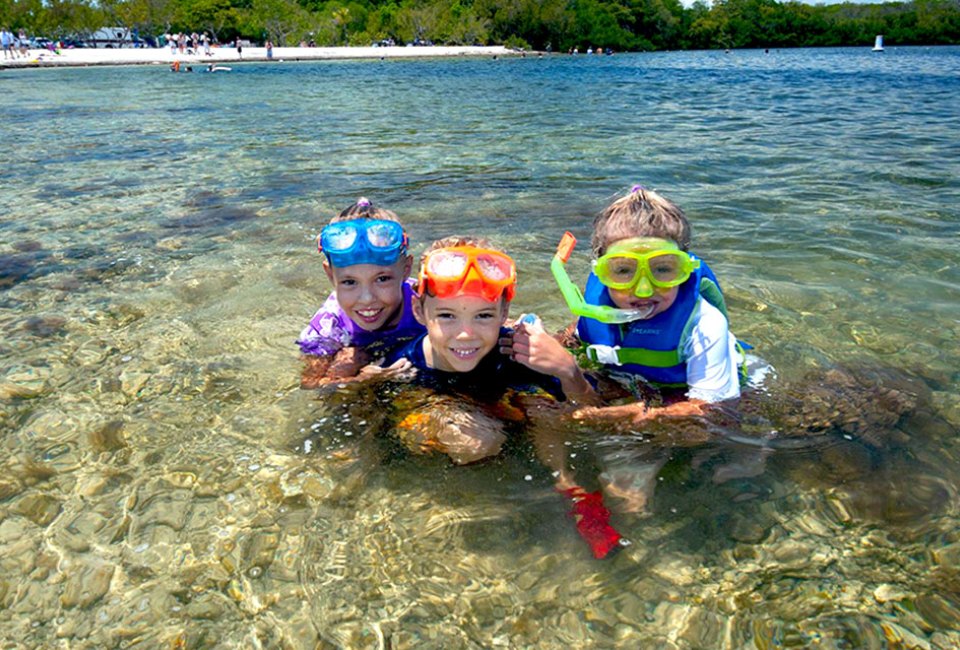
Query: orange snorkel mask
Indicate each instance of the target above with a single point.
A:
(468, 271)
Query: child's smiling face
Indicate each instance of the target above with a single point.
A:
(460, 331)
(654, 299)
(370, 295)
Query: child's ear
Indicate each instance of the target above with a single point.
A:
(505, 309)
(329, 271)
(418, 312)
(408, 266)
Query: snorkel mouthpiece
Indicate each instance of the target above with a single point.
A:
(575, 300)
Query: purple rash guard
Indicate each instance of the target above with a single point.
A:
(330, 330)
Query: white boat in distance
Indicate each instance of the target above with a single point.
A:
(878, 43)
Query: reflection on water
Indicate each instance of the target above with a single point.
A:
(165, 482)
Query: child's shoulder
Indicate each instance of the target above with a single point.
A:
(326, 333)
(711, 319)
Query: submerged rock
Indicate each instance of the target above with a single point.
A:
(863, 404)
(86, 584)
(21, 267)
(24, 382)
(45, 326)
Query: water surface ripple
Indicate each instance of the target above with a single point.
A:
(165, 483)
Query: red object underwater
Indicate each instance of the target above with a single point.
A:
(592, 519)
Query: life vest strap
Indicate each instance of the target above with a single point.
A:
(617, 356)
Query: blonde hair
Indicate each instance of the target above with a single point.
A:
(364, 209)
(641, 213)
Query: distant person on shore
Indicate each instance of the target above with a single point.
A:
(206, 44)
(269, 46)
(239, 45)
(369, 312)
(24, 43)
(6, 40)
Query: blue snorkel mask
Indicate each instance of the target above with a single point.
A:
(363, 241)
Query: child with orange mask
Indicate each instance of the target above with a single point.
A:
(464, 293)
(465, 289)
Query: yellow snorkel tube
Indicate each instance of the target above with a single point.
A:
(573, 296)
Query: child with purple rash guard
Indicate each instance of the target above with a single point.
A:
(369, 312)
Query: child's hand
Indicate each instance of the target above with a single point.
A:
(314, 372)
(533, 347)
(400, 370)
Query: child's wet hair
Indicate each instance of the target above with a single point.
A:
(365, 209)
(456, 240)
(641, 213)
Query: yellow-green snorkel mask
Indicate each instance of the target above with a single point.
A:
(660, 265)
(571, 292)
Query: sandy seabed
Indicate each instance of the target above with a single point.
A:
(218, 55)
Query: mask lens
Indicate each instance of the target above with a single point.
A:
(620, 271)
(493, 268)
(665, 268)
(340, 238)
(384, 235)
(447, 265)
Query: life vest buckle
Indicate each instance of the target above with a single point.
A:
(606, 354)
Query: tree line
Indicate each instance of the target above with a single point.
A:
(558, 25)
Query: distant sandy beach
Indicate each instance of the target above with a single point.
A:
(222, 55)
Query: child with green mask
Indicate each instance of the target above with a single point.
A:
(652, 315)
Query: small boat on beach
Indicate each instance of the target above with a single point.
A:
(878, 43)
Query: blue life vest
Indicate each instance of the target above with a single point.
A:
(653, 347)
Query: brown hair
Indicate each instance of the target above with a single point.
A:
(456, 240)
(364, 209)
(641, 213)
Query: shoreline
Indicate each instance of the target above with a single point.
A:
(84, 57)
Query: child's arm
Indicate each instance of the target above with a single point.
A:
(712, 376)
(533, 347)
(325, 347)
(344, 364)
(713, 372)
(314, 373)
(399, 370)
(350, 364)
(630, 415)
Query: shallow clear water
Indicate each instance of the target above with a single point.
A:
(164, 480)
